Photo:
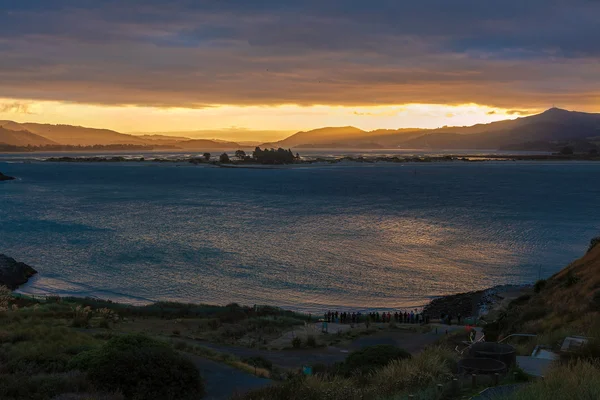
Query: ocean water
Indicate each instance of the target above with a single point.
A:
(348, 236)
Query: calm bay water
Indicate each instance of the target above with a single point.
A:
(344, 236)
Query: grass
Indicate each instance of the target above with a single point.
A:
(223, 358)
(400, 377)
(34, 357)
(577, 380)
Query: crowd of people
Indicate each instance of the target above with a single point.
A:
(412, 317)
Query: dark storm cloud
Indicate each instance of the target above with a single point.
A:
(191, 53)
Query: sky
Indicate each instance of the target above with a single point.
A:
(283, 65)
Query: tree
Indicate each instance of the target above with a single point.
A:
(272, 156)
(224, 158)
(206, 156)
(240, 154)
(566, 151)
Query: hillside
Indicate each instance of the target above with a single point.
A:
(22, 138)
(74, 135)
(205, 144)
(32, 134)
(568, 303)
(553, 125)
(321, 136)
(548, 130)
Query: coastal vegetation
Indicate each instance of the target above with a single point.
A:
(91, 349)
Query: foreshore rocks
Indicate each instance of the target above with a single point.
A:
(470, 304)
(465, 304)
(5, 177)
(13, 273)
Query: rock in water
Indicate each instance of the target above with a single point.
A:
(5, 177)
(13, 273)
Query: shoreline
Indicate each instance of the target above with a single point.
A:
(473, 304)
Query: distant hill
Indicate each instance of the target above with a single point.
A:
(205, 144)
(162, 137)
(32, 134)
(74, 135)
(548, 130)
(246, 137)
(551, 126)
(321, 136)
(22, 138)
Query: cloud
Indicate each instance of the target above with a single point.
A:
(16, 108)
(193, 54)
(518, 112)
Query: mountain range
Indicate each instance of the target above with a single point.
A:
(548, 131)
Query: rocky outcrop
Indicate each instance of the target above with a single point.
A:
(5, 177)
(13, 273)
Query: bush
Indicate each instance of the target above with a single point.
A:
(141, 368)
(311, 341)
(369, 358)
(296, 342)
(539, 285)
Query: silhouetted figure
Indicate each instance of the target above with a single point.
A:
(458, 318)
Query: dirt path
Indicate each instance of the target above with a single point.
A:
(410, 341)
(222, 381)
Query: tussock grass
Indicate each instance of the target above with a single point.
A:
(398, 378)
(577, 380)
(432, 365)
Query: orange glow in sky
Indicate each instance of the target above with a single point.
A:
(252, 122)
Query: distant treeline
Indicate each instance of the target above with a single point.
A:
(7, 148)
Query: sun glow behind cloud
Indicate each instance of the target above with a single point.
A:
(282, 118)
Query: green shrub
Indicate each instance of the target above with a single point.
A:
(539, 285)
(35, 363)
(311, 341)
(141, 368)
(296, 342)
(369, 358)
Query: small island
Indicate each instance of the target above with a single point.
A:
(5, 177)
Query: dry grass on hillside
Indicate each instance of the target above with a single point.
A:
(568, 303)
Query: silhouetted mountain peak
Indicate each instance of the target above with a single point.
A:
(555, 111)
